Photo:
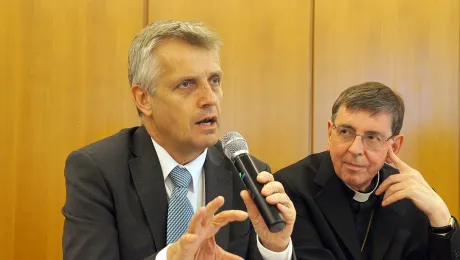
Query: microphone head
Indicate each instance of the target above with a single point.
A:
(234, 145)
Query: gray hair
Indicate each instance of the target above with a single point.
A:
(374, 97)
(143, 69)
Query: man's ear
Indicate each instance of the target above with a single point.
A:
(142, 100)
(396, 145)
(329, 134)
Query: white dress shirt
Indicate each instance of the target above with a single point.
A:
(197, 198)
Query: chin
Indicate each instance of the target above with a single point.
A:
(353, 180)
(208, 141)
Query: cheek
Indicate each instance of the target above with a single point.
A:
(337, 149)
(176, 116)
(337, 154)
(376, 160)
(218, 100)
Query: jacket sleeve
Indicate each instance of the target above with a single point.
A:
(89, 227)
(90, 230)
(444, 247)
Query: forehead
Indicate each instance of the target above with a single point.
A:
(364, 120)
(178, 56)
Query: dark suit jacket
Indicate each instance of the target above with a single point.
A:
(116, 205)
(325, 227)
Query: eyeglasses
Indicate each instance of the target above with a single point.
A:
(372, 141)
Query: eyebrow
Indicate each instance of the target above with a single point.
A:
(194, 77)
(216, 73)
(354, 130)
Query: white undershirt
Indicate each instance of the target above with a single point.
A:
(195, 168)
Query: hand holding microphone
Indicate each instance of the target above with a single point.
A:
(270, 209)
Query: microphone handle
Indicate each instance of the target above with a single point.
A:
(248, 173)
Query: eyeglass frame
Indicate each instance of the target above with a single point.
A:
(334, 127)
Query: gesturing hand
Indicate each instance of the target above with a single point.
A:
(410, 184)
(199, 242)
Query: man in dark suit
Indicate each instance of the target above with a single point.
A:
(140, 194)
(352, 205)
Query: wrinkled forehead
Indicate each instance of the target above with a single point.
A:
(178, 59)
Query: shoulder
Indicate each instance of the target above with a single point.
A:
(111, 152)
(302, 174)
(112, 145)
(308, 167)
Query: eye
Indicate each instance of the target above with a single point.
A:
(185, 84)
(215, 81)
(374, 138)
(344, 131)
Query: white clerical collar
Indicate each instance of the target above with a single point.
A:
(361, 196)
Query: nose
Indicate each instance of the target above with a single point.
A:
(207, 97)
(357, 147)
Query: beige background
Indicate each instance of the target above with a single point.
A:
(64, 74)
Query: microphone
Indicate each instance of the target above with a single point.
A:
(236, 149)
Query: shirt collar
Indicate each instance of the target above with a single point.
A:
(168, 163)
(361, 196)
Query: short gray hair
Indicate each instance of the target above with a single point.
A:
(143, 70)
(374, 97)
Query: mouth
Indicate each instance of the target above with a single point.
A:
(208, 121)
(353, 166)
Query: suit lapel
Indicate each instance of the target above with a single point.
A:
(219, 181)
(386, 221)
(334, 203)
(149, 183)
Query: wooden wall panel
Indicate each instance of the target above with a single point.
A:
(412, 46)
(63, 70)
(266, 62)
(9, 99)
(66, 86)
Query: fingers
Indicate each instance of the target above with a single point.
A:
(195, 222)
(289, 214)
(393, 189)
(224, 217)
(253, 212)
(281, 198)
(264, 177)
(186, 246)
(211, 209)
(284, 205)
(204, 225)
(250, 205)
(395, 178)
(204, 215)
(188, 243)
(276, 196)
(272, 187)
(207, 249)
(399, 195)
(400, 165)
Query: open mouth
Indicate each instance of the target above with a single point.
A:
(207, 121)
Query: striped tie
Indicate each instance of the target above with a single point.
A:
(180, 209)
